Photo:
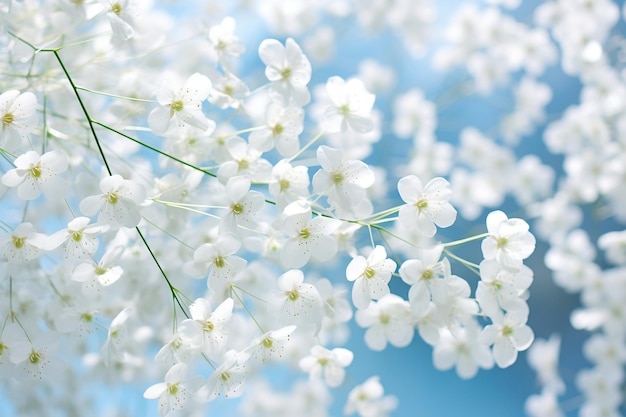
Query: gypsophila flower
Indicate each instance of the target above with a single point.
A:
(18, 118)
(227, 379)
(509, 241)
(288, 70)
(118, 205)
(181, 106)
(426, 206)
(327, 364)
(175, 391)
(371, 276)
(368, 400)
(34, 174)
(308, 237)
(351, 106)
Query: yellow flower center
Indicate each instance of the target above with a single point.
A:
(177, 105)
(277, 129)
(18, 242)
(237, 208)
(116, 8)
(7, 119)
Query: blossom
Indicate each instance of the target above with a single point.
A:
(18, 114)
(175, 391)
(508, 334)
(220, 259)
(426, 275)
(509, 241)
(297, 302)
(328, 364)
(343, 181)
(288, 183)
(80, 239)
(227, 379)
(181, 106)
(543, 357)
(272, 344)
(23, 244)
(95, 275)
(368, 400)
(121, 15)
(206, 329)
(351, 106)
(226, 45)
(288, 70)
(308, 237)
(281, 130)
(243, 205)
(460, 347)
(34, 174)
(118, 205)
(500, 288)
(388, 320)
(426, 206)
(371, 276)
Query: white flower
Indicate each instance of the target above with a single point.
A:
(288, 69)
(543, 405)
(387, 320)
(283, 125)
(227, 379)
(371, 276)
(509, 334)
(543, 357)
(614, 246)
(18, 116)
(34, 174)
(327, 364)
(221, 260)
(427, 277)
(307, 237)
(176, 390)
(426, 206)
(509, 241)
(118, 205)
(80, 239)
(271, 344)
(94, 275)
(343, 181)
(297, 302)
(243, 205)
(23, 244)
(206, 330)
(368, 400)
(288, 183)
(459, 347)
(225, 43)
(351, 106)
(181, 107)
(121, 14)
(500, 288)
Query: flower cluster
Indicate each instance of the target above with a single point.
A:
(191, 211)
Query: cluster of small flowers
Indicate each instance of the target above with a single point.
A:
(211, 181)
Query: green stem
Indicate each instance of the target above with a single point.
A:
(152, 148)
(82, 106)
(173, 290)
(102, 93)
(307, 146)
(470, 265)
(467, 239)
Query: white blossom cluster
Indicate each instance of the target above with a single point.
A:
(187, 207)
